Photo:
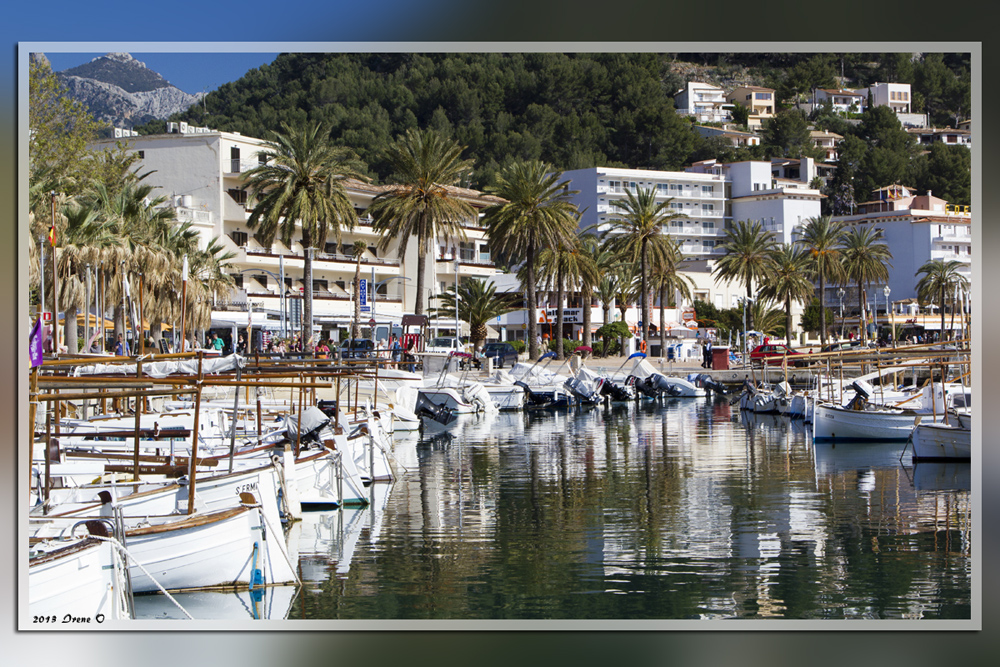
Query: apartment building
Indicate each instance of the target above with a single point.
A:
(917, 228)
(707, 103)
(202, 173)
(735, 137)
(759, 101)
(927, 136)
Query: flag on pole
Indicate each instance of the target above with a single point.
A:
(35, 344)
(184, 270)
(52, 235)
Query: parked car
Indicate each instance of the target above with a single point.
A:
(503, 354)
(773, 355)
(362, 348)
(843, 346)
(444, 345)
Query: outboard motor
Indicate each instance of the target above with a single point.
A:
(644, 387)
(860, 399)
(617, 392)
(664, 386)
(535, 399)
(705, 380)
(439, 413)
(581, 391)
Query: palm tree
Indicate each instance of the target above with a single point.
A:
(822, 239)
(766, 317)
(478, 304)
(536, 214)
(81, 242)
(940, 278)
(599, 259)
(749, 256)
(789, 281)
(357, 250)
(423, 205)
(638, 235)
(563, 268)
(301, 182)
(670, 281)
(865, 260)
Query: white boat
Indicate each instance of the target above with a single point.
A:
(940, 440)
(77, 583)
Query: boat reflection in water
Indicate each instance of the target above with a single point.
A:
(270, 603)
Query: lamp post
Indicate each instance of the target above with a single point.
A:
(888, 310)
(840, 293)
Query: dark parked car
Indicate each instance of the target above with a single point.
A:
(361, 348)
(843, 346)
(773, 355)
(503, 354)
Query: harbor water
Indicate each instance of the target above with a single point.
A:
(680, 509)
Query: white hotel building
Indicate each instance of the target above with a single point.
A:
(711, 196)
(202, 172)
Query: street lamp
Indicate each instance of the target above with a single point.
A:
(840, 293)
(888, 310)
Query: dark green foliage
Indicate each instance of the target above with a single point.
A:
(946, 171)
(724, 320)
(810, 320)
(518, 346)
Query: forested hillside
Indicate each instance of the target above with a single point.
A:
(576, 110)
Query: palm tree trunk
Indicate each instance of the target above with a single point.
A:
(788, 321)
(748, 309)
(419, 308)
(941, 306)
(559, 315)
(69, 329)
(307, 307)
(663, 320)
(587, 298)
(822, 309)
(645, 296)
(530, 296)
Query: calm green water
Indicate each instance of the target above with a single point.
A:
(685, 510)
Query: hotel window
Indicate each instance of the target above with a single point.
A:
(661, 188)
(706, 190)
(615, 186)
(239, 238)
(708, 207)
(237, 280)
(708, 225)
(762, 96)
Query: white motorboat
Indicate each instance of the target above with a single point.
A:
(653, 384)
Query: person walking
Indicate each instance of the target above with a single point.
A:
(121, 347)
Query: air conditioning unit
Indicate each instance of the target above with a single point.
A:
(183, 128)
(118, 133)
(171, 128)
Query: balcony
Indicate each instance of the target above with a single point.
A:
(193, 216)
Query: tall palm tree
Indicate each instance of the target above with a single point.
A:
(301, 183)
(598, 258)
(638, 235)
(749, 257)
(940, 278)
(81, 240)
(537, 214)
(562, 269)
(789, 281)
(669, 280)
(822, 238)
(422, 205)
(357, 251)
(478, 304)
(865, 260)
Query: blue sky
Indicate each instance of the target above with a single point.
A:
(191, 72)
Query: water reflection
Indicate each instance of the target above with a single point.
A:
(682, 509)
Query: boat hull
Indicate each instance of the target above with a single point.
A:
(938, 441)
(834, 422)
